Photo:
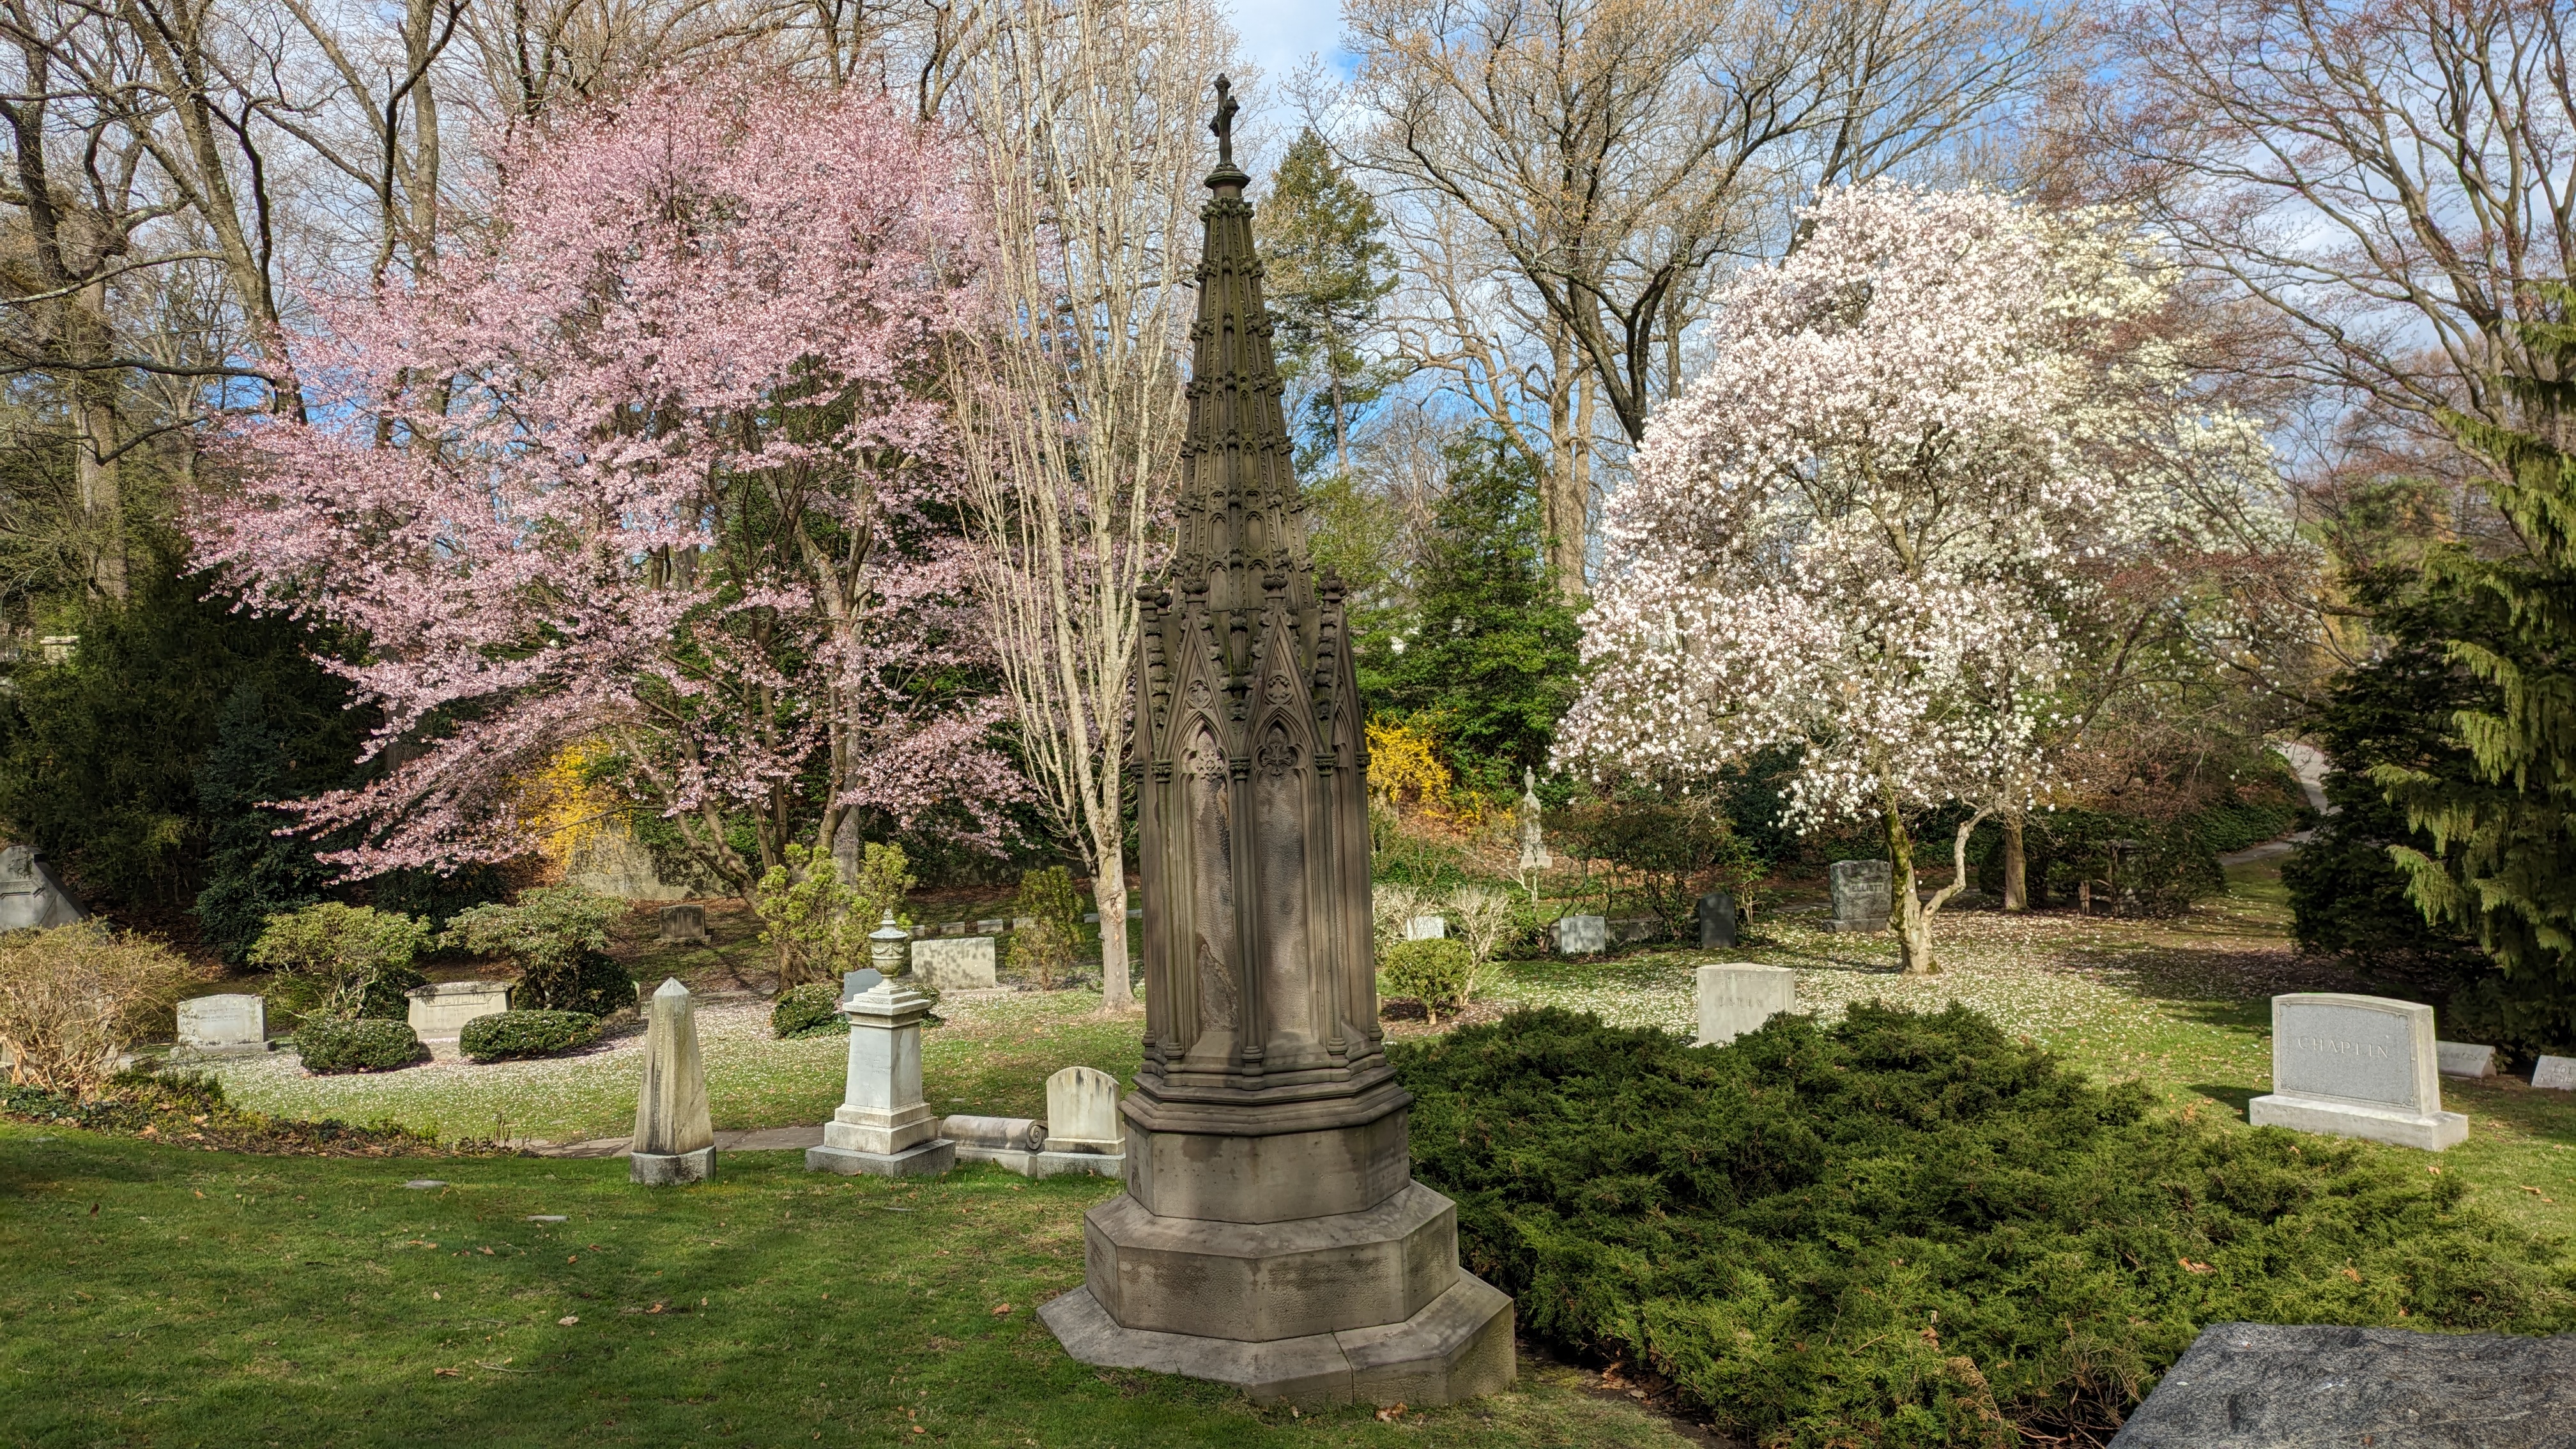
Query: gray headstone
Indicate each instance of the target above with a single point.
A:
(675, 1139)
(684, 923)
(2460, 1059)
(439, 1011)
(863, 979)
(1863, 894)
(2264, 1386)
(1629, 930)
(1739, 997)
(955, 965)
(1717, 920)
(1427, 928)
(1582, 935)
(31, 897)
(231, 1023)
(2555, 1074)
(2356, 1066)
(1082, 1112)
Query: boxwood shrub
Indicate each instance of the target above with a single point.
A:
(505, 1035)
(366, 1044)
(590, 982)
(809, 1010)
(1434, 973)
(1911, 1230)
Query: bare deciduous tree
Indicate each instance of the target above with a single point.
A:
(1073, 409)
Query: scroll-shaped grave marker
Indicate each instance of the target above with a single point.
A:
(2356, 1066)
(675, 1139)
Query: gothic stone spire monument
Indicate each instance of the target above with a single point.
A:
(1271, 1235)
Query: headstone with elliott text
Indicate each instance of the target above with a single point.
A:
(2356, 1066)
(1863, 895)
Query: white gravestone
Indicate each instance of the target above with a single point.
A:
(2555, 1074)
(2460, 1059)
(1582, 935)
(2356, 1066)
(955, 965)
(1427, 928)
(883, 1126)
(440, 1010)
(1863, 895)
(225, 1025)
(1084, 1134)
(675, 1139)
(1738, 997)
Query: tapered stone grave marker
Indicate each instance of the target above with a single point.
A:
(675, 1140)
(1271, 1236)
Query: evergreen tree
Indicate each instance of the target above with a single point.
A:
(1485, 656)
(252, 872)
(2503, 863)
(1325, 268)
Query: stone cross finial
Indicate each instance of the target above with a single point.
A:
(1223, 125)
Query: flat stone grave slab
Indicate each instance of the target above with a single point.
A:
(2460, 1059)
(1582, 935)
(233, 1023)
(2356, 1066)
(440, 1010)
(2265, 1386)
(955, 965)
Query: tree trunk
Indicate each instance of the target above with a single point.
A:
(1913, 923)
(96, 469)
(2016, 879)
(1109, 892)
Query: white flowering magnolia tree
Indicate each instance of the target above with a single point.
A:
(1918, 439)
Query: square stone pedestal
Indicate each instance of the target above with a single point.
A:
(883, 1127)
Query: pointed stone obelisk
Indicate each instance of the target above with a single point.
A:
(1271, 1235)
(675, 1141)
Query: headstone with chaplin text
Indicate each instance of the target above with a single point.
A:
(1739, 997)
(2357, 1066)
(1863, 896)
(675, 1139)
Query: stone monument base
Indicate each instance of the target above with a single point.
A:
(2432, 1131)
(922, 1159)
(1459, 1346)
(671, 1169)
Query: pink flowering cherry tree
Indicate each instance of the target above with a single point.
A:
(1855, 533)
(646, 461)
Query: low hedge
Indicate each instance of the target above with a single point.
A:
(505, 1035)
(1909, 1230)
(1434, 972)
(366, 1044)
(812, 1009)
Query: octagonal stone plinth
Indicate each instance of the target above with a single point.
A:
(1257, 1282)
(1457, 1348)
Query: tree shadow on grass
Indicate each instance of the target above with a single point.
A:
(2233, 1098)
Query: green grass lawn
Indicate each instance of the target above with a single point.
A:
(221, 1299)
(160, 1297)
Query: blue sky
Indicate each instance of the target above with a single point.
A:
(1279, 34)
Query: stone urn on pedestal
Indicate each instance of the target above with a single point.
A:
(1271, 1236)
